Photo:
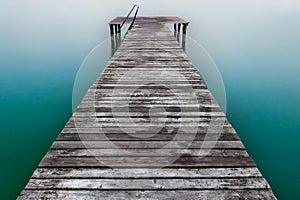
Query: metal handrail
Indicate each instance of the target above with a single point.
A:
(133, 20)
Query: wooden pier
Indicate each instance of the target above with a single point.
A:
(148, 128)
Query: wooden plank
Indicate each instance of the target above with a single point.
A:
(111, 80)
(173, 72)
(86, 136)
(167, 105)
(154, 184)
(141, 97)
(138, 86)
(168, 108)
(98, 95)
(141, 54)
(223, 129)
(148, 162)
(147, 152)
(148, 194)
(147, 144)
(201, 130)
(161, 93)
(135, 48)
(154, 58)
(154, 43)
(55, 173)
(153, 114)
(155, 20)
(147, 120)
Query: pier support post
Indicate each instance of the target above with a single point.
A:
(119, 28)
(116, 28)
(184, 27)
(178, 31)
(111, 28)
(116, 37)
(119, 34)
(112, 38)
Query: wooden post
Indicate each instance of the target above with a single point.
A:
(184, 27)
(179, 25)
(111, 27)
(175, 29)
(112, 44)
(119, 28)
(178, 32)
(116, 36)
(119, 35)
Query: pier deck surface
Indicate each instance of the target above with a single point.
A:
(148, 128)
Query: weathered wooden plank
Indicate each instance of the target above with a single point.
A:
(152, 64)
(146, 152)
(146, 123)
(135, 48)
(150, 58)
(128, 81)
(100, 94)
(130, 74)
(86, 136)
(141, 128)
(146, 194)
(131, 71)
(185, 76)
(159, 91)
(186, 63)
(151, 68)
(149, 85)
(142, 21)
(154, 184)
(139, 94)
(43, 173)
(143, 97)
(148, 162)
(161, 34)
(146, 115)
(132, 38)
(176, 122)
(202, 106)
(151, 43)
(145, 87)
(152, 103)
(208, 129)
(170, 38)
(145, 108)
(141, 54)
(147, 144)
(201, 130)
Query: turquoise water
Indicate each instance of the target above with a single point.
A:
(255, 46)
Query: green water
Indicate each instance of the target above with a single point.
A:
(255, 46)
